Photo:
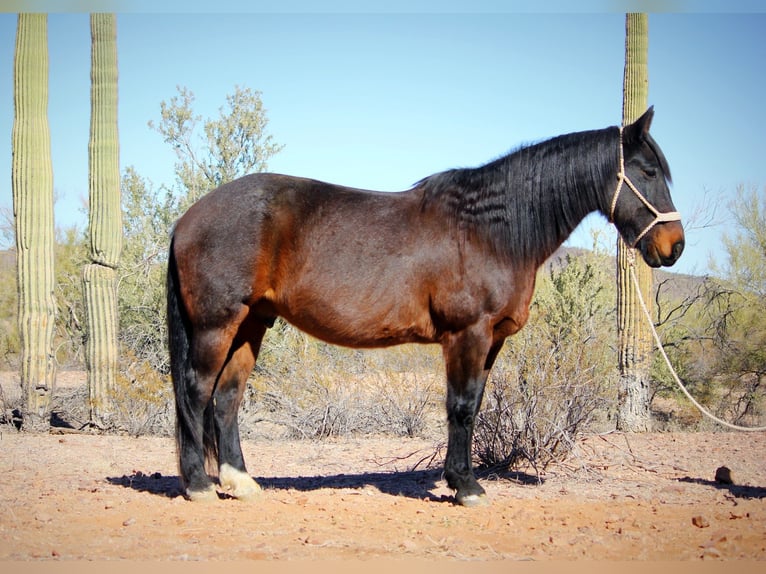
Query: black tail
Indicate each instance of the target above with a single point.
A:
(192, 438)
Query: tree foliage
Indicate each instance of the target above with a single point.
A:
(746, 245)
(232, 145)
(739, 309)
(716, 334)
(148, 216)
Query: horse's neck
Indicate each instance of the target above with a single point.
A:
(562, 203)
(526, 204)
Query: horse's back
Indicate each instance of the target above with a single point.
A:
(303, 249)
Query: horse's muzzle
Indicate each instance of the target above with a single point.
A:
(663, 245)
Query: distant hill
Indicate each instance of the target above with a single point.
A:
(677, 285)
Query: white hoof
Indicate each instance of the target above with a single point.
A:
(473, 500)
(238, 484)
(208, 494)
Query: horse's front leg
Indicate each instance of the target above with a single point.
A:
(468, 356)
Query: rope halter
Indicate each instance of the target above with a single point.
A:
(622, 178)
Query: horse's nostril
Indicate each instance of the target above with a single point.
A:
(678, 248)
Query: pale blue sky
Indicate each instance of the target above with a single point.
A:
(380, 100)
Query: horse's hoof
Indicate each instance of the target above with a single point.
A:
(238, 484)
(246, 492)
(249, 496)
(209, 494)
(473, 500)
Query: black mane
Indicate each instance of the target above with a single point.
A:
(525, 204)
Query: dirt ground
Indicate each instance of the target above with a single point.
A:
(626, 497)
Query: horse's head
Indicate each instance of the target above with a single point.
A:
(641, 207)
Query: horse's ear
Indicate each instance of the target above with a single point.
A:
(640, 128)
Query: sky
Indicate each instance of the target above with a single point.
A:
(381, 99)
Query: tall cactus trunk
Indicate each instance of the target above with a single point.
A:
(105, 221)
(32, 182)
(635, 338)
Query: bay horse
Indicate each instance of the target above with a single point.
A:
(450, 261)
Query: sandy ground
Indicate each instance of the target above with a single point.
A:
(626, 497)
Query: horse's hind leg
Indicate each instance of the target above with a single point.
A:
(232, 473)
(195, 429)
(209, 351)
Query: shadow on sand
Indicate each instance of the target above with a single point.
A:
(736, 490)
(417, 484)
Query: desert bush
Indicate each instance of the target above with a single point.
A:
(314, 390)
(303, 385)
(409, 402)
(554, 376)
(714, 335)
(10, 342)
(70, 408)
(142, 399)
(10, 408)
(735, 309)
(536, 405)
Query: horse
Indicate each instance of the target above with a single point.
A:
(451, 261)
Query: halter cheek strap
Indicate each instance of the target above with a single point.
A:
(622, 178)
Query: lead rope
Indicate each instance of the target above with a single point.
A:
(703, 410)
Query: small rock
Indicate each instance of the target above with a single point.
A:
(723, 475)
(711, 552)
(129, 521)
(700, 521)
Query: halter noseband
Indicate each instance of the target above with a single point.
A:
(622, 177)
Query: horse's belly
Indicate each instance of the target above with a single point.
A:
(359, 324)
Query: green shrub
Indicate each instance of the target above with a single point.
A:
(555, 376)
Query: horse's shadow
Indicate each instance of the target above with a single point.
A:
(736, 490)
(416, 484)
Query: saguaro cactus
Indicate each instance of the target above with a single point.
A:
(635, 338)
(105, 219)
(32, 182)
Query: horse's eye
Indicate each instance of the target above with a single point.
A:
(650, 172)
